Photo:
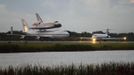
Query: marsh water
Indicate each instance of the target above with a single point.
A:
(65, 58)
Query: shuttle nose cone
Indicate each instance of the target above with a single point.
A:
(58, 25)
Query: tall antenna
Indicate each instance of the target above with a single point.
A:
(108, 31)
(11, 30)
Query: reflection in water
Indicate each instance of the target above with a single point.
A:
(61, 58)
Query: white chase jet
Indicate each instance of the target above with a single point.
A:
(106, 37)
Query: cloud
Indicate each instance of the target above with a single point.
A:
(90, 15)
(10, 18)
(131, 1)
(75, 15)
(2, 7)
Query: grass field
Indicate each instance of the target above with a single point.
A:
(42, 47)
(100, 69)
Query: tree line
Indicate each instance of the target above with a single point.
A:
(17, 35)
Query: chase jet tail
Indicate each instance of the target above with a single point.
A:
(25, 26)
(38, 18)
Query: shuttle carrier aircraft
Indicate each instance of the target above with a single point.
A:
(41, 29)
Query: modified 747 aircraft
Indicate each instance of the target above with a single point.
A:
(43, 34)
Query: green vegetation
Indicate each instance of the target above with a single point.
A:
(74, 36)
(102, 69)
(40, 47)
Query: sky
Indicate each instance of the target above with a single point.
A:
(74, 15)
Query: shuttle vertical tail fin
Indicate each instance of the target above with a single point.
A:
(38, 18)
(25, 26)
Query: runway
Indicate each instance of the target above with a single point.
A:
(66, 42)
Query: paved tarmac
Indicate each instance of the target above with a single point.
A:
(64, 42)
